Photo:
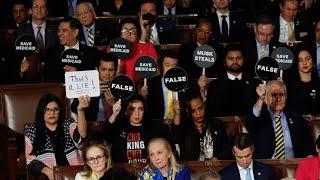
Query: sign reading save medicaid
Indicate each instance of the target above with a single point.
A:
(146, 67)
(176, 79)
(81, 83)
(204, 56)
(122, 87)
(284, 57)
(120, 47)
(25, 45)
(72, 57)
(267, 69)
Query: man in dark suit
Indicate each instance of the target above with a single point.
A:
(66, 7)
(19, 14)
(100, 108)
(262, 44)
(160, 31)
(277, 132)
(95, 33)
(245, 168)
(228, 26)
(69, 32)
(291, 26)
(169, 7)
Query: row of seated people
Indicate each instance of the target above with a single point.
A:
(186, 150)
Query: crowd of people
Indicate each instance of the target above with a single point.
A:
(135, 129)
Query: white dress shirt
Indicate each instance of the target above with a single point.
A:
(243, 172)
(219, 14)
(283, 35)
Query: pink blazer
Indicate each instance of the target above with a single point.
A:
(308, 169)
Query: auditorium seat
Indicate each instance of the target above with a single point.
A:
(290, 167)
(314, 124)
(234, 124)
(277, 165)
(18, 107)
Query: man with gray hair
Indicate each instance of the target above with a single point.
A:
(210, 175)
(277, 132)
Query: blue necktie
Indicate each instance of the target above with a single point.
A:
(248, 176)
(70, 8)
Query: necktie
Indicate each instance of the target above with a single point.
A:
(90, 37)
(291, 36)
(39, 39)
(248, 176)
(152, 39)
(169, 105)
(169, 11)
(279, 152)
(70, 8)
(224, 28)
(263, 51)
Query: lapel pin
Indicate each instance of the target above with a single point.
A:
(290, 120)
(259, 173)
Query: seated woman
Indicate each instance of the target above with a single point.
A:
(303, 85)
(129, 31)
(53, 141)
(309, 169)
(163, 164)
(97, 158)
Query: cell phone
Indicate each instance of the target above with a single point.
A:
(150, 17)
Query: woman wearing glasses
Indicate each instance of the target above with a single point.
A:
(51, 140)
(97, 158)
(130, 32)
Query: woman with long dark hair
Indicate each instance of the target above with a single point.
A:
(51, 140)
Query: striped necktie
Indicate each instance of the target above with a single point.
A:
(279, 152)
(90, 37)
(291, 36)
(152, 38)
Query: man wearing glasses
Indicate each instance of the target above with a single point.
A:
(278, 133)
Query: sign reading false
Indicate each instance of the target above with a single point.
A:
(146, 67)
(122, 87)
(267, 69)
(176, 79)
(72, 57)
(284, 57)
(25, 45)
(204, 56)
(120, 47)
(81, 83)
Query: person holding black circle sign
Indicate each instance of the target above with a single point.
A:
(304, 85)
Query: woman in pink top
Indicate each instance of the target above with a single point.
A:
(129, 31)
(309, 169)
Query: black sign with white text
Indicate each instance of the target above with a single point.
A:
(146, 67)
(122, 87)
(120, 47)
(204, 56)
(25, 45)
(176, 79)
(267, 69)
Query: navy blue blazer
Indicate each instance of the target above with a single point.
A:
(167, 32)
(261, 171)
(262, 131)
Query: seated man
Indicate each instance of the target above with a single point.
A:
(100, 108)
(245, 168)
(278, 133)
(69, 33)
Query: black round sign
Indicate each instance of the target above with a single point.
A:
(122, 87)
(146, 67)
(120, 47)
(25, 45)
(204, 56)
(284, 57)
(267, 69)
(72, 57)
(176, 79)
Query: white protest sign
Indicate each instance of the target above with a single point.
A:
(80, 83)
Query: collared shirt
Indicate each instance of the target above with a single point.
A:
(86, 31)
(318, 58)
(42, 30)
(73, 47)
(165, 98)
(166, 10)
(219, 14)
(286, 132)
(283, 35)
(259, 46)
(154, 33)
(199, 44)
(243, 171)
(232, 77)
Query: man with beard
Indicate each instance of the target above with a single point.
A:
(229, 95)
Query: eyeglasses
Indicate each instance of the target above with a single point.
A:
(54, 110)
(39, 6)
(132, 31)
(206, 32)
(96, 159)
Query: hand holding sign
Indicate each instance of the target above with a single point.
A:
(122, 87)
(176, 79)
(204, 56)
(284, 57)
(146, 67)
(81, 83)
(267, 69)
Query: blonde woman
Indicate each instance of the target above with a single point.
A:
(163, 164)
(97, 158)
